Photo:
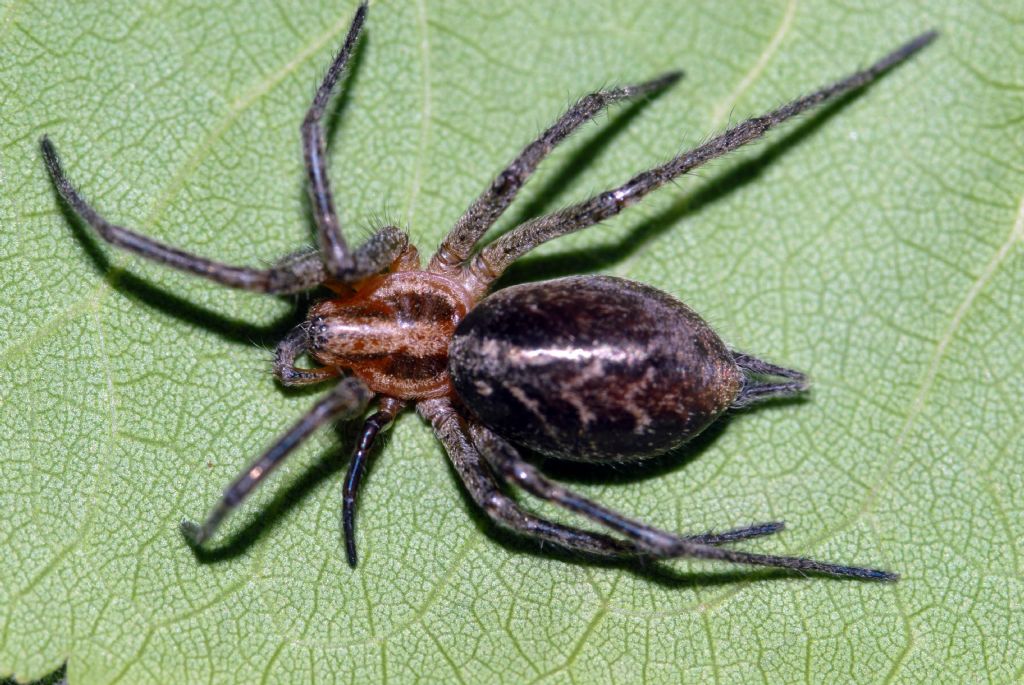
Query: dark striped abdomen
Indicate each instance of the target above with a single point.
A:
(591, 368)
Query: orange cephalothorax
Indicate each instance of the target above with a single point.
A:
(393, 333)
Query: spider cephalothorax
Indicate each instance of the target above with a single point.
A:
(392, 333)
(584, 368)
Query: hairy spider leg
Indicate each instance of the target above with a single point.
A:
(349, 397)
(295, 273)
(341, 264)
(480, 483)
(457, 246)
(374, 425)
(493, 259)
(507, 463)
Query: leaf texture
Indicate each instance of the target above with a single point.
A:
(877, 245)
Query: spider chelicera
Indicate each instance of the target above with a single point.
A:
(593, 369)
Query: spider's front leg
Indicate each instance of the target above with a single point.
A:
(457, 246)
(493, 259)
(293, 274)
(341, 263)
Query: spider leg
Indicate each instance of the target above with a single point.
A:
(493, 259)
(479, 481)
(339, 261)
(295, 273)
(380, 421)
(485, 210)
(756, 530)
(499, 507)
(288, 350)
(347, 398)
(513, 469)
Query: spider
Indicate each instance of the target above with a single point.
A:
(593, 369)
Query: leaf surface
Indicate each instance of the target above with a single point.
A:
(877, 245)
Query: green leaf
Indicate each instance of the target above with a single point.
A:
(877, 245)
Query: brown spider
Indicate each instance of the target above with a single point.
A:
(594, 369)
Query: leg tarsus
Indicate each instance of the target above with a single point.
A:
(756, 530)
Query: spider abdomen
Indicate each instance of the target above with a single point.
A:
(591, 368)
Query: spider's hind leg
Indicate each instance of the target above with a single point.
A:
(479, 480)
(505, 461)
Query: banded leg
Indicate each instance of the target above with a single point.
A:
(288, 350)
(347, 398)
(476, 476)
(295, 273)
(513, 469)
(481, 215)
(378, 422)
(496, 257)
(754, 390)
